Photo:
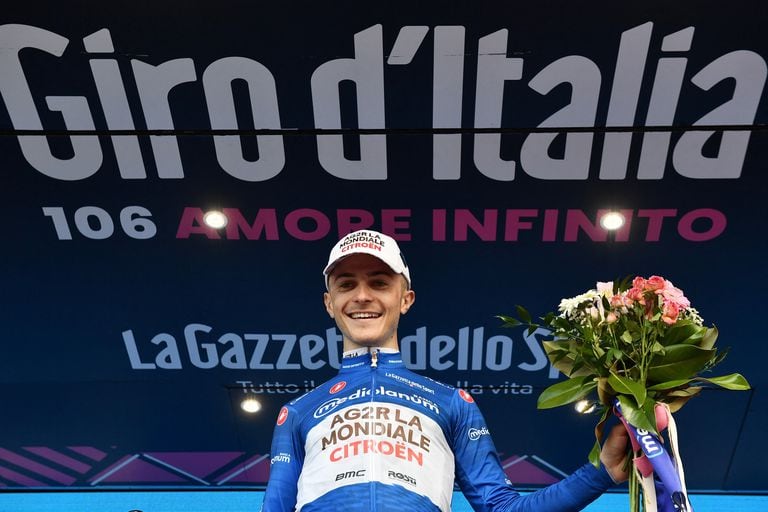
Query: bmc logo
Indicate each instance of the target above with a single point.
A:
(350, 474)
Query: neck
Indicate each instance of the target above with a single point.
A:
(390, 345)
(365, 350)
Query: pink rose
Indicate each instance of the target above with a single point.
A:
(675, 296)
(670, 312)
(621, 302)
(611, 318)
(636, 294)
(655, 283)
(638, 283)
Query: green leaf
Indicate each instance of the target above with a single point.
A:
(709, 338)
(594, 455)
(556, 345)
(566, 392)
(628, 387)
(626, 337)
(635, 415)
(617, 354)
(523, 313)
(560, 355)
(625, 283)
(719, 358)
(681, 333)
(678, 362)
(649, 411)
(679, 397)
(509, 321)
(578, 365)
(670, 384)
(734, 382)
(560, 323)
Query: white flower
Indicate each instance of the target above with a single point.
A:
(605, 288)
(693, 315)
(569, 307)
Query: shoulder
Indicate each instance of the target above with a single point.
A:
(315, 396)
(451, 397)
(418, 382)
(443, 390)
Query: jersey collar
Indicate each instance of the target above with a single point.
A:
(373, 357)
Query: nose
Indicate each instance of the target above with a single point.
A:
(363, 293)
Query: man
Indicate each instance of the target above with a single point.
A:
(379, 437)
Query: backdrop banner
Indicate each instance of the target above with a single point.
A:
(487, 138)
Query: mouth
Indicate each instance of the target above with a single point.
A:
(363, 315)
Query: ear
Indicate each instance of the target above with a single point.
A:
(327, 302)
(406, 301)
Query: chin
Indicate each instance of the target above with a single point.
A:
(369, 343)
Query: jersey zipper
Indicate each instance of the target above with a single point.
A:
(371, 458)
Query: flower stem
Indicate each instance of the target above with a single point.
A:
(634, 490)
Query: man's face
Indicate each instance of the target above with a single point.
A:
(366, 299)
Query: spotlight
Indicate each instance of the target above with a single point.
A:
(250, 405)
(612, 220)
(585, 407)
(215, 219)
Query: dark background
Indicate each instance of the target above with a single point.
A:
(66, 380)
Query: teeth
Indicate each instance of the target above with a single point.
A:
(364, 315)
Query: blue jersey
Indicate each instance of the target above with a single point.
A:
(379, 437)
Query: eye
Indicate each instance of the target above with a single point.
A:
(345, 285)
(380, 283)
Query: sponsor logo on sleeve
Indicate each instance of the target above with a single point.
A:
(338, 387)
(466, 396)
(281, 457)
(282, 416)
(476, 433)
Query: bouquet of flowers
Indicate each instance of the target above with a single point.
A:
(642, 349)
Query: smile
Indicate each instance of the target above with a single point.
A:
(364, 315)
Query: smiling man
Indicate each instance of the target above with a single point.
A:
(379, 437)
